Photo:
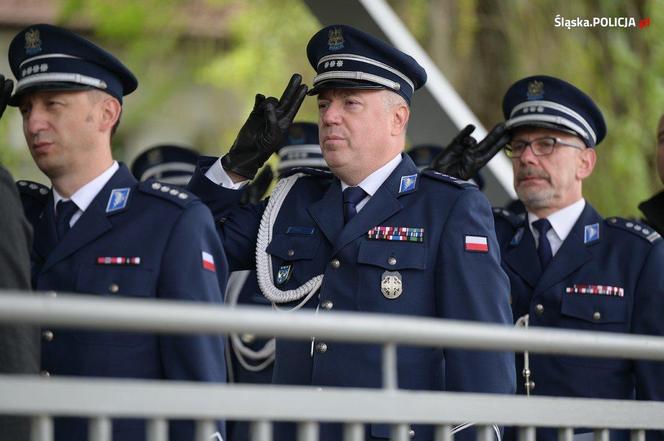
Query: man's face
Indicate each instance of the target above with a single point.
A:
(660, 149)
(61, 129)
(551, 182)
(357, 129)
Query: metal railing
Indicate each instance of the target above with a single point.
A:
(159, 401)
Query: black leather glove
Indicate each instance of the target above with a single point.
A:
(5, 93)
(261, 134)
(464, 156)
(257, 188)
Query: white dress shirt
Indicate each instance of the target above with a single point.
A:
(562, 222)
(86, 194)
(372, 183)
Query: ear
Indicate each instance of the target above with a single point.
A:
(587, 160)
(400, 116)
(110, 109)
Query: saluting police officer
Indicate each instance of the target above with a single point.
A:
(98, 231)
(377, 237)
(567, 264)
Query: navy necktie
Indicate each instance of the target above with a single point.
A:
(352, 196)
(64, 211)
(544, 248)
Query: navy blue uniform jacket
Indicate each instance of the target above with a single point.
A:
(626, 259)
(440, 278)
(169, 233)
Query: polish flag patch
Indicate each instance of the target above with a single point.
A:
(478, 244)
(208, 262)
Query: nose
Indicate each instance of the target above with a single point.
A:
(528, 156)
(35, 120)
(331, 114)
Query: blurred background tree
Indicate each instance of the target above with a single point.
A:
(200, 62)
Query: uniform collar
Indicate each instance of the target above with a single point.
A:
(372, 183)
(563, 220)
(84, 196)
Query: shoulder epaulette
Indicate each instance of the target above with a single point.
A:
(172, 193)
(515, 219)
(310, 171)
(637, 228)
(33, 189)
(447, 178)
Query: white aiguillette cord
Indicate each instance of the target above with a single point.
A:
(264, 260)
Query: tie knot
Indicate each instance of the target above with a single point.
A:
(65, 209)
(353, 195)
(542, 226)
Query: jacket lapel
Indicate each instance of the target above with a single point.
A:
(94, 221)
(381, 206)
(46, 238)
(329, 219)
(573, 253)
(523, 259)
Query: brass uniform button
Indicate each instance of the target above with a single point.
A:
(335, 263)
(392, 261)
(321, 347)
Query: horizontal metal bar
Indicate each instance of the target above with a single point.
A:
(188, 317)
(22, 395)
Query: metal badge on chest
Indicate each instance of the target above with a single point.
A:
(391, 284)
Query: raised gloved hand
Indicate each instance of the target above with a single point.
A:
(6, 92)
(257, 188)
(261, 134)
(464, 156)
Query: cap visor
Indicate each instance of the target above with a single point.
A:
(16, 98)
(544, 125)
(343, 84)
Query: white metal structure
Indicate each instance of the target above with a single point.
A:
(103, 399)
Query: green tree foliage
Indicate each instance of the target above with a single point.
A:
(482, 46)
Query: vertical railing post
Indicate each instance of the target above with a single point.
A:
(41, 428)
(307, 431)
(260, 430)
(100, 429)
(443, 433)
(390, 381)
(527, 433)
(353, 432)
(206, 430)
(157, 430)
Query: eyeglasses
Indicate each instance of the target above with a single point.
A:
(540, 146)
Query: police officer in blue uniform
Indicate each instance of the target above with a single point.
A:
(378, 236)
(567, 264)
(98, 231)
(167, 163)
